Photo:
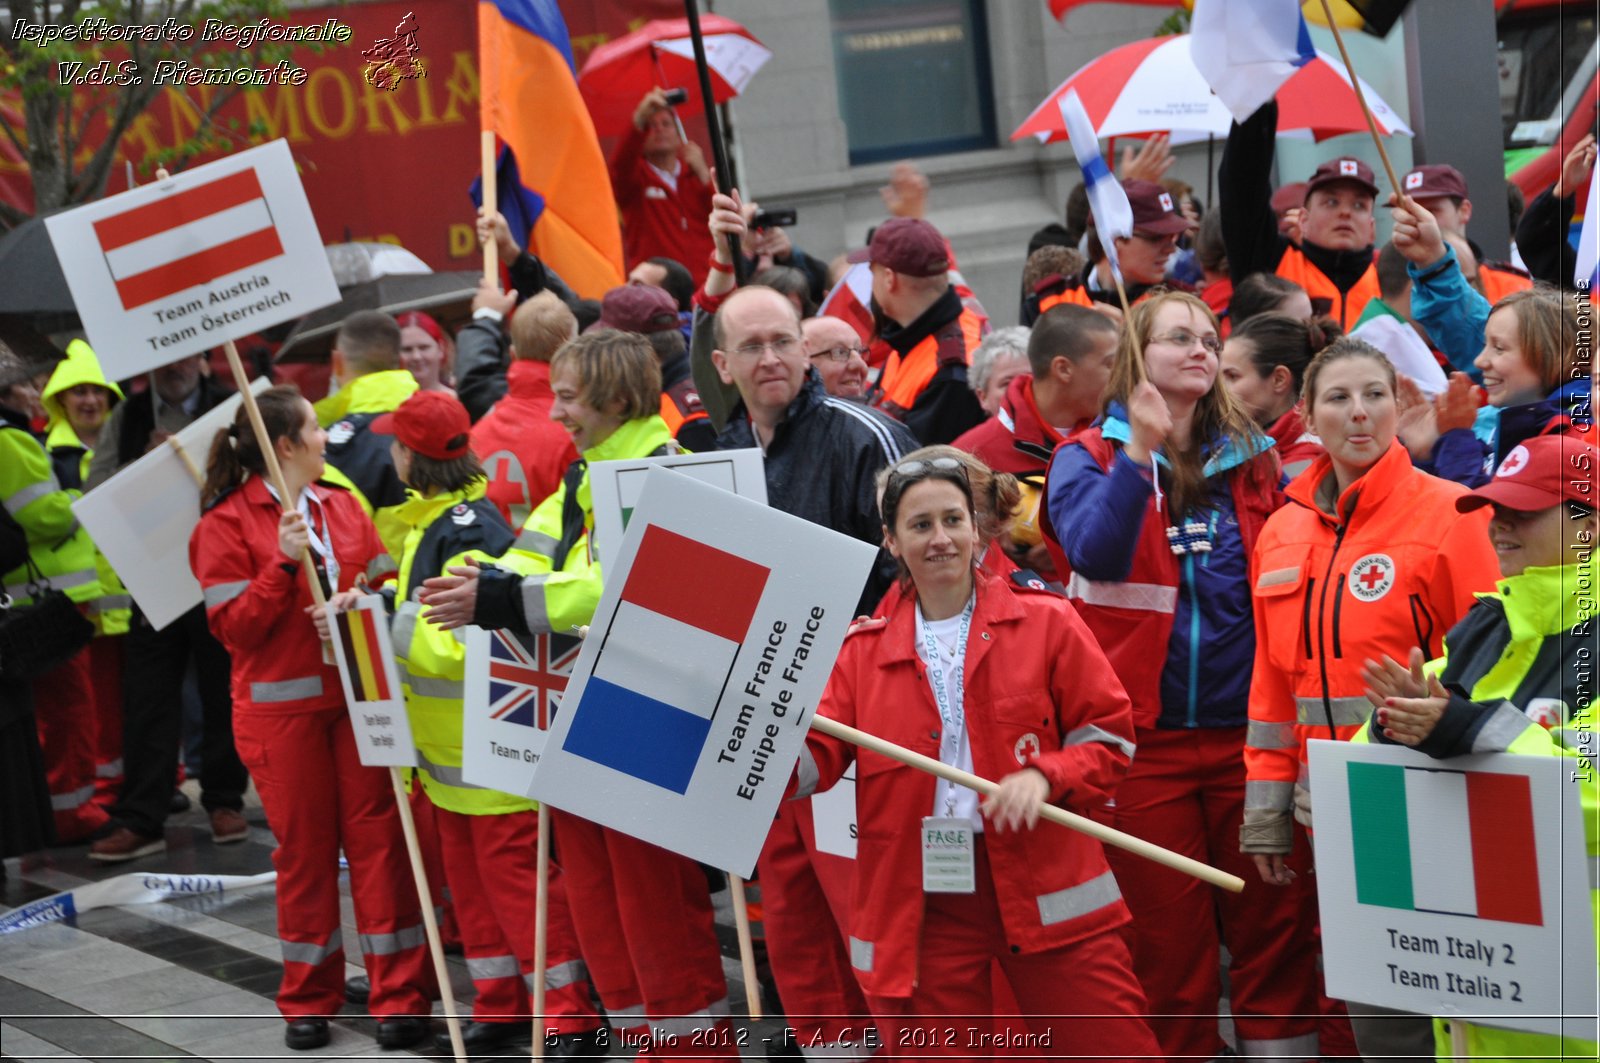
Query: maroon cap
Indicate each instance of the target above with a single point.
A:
(641, 308)
(1539, 473)
(1344, 168)
(1288, 197)
(907, 245)
(432, 423)
(1154, 209)
(1434, 179)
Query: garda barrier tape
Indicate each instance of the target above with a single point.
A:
(124, 889)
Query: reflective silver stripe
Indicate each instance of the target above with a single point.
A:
(1273, 796)
(309, 686)
(1078, 900)
(1261, 734)
(220, 593)
(626, 1018)
(1347, 712)
(109, 770)
(536, 542)
(695, 1021)
(1503, 727)
(433, 687)
(74, 799)
(860, 954)
(534, 610)
(107, 603)
(444, 773)
(561, 975)
(1303, 1047)
(23, 497)
(1091, 733)
(806, 773)
(311, 954)
(1150, 597)
(381, 565)
(482, 968)
(1278, 577)
(404, 628)
(60, 582)
(408, 937)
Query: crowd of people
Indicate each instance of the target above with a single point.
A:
(1133, 557)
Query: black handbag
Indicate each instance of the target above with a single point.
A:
(41, 635)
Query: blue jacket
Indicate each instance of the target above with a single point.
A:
(1100, 516)
(1462, 455)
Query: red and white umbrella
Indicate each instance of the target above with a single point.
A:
(1152, 86)
(618, 73)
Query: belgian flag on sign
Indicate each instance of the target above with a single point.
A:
(363, 654)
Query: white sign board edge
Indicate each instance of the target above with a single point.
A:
(812, 568)
(142, 517)
(615, 486)
(833, 816)
(198, 318)
(1420, 961)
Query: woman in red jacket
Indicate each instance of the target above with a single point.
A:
(1008, 683)
(1264, 364)
(291, 725)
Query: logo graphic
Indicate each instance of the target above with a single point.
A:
(1413, 180)
(1166, 201)
(392, 60)
(1371, 577)
(1026, 746)
(1515, 461)
(526, 680)
(340, 434)
(461, 515)
(1347, 168)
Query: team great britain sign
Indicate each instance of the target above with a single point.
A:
(176, 267)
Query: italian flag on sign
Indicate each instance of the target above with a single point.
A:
(1454, 842)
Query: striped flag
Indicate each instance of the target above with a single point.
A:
(851, 300)
(1453, 842)
(191, 238)
(1247, 49)
(526, 678)
(665, 659)
(1588, 271)
(365, 654)
(1113, 216)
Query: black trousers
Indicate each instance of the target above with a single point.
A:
(152, 693)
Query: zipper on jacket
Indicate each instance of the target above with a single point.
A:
(1338, 609)
(1322, 612)
(1305, 616)
(1418, 612)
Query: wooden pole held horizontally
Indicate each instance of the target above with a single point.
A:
(1107, 835)
(269, 457)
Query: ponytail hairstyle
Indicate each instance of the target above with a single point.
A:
(235, 450)
(1279, 339)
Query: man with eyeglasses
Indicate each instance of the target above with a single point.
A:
(930, 333)
(837, 355)
(1157, 224)
(822, 457)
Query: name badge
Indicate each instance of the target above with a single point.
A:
(948, 861)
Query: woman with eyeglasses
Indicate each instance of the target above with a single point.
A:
(1006, 682)
(1369, 558)
(1158, 507)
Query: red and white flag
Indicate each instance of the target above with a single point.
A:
(851, 300)
(185, 240)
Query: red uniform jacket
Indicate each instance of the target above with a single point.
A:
(524, 452)
(1297, 447)
(1039, 693)
(256, 598)
(658, 220)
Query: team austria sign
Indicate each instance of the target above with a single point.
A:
(175, 268)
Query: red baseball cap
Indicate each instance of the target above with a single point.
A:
(1539, 473)
(641, 308)
(432, 423)
(1434, 179)
(1344, 168)
(907, 245)
(1154, 209)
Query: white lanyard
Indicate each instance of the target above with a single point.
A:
(321, 543)
(953, 716)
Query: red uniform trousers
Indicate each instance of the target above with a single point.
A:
(105, 678)
(422, 816)
(806, 902)
(644, 922)
(319, 800)
(64, 706)
(1185, 792)
(492, 862)
(1079, 1001)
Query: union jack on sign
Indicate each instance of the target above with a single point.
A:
(526, 678)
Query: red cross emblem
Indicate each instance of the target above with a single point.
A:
(1026, 746)
(1515, 461)
(1371, 577)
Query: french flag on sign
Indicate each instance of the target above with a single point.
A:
(188, 239)
(665, 659)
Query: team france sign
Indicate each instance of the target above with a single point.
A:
(708, 653)
(176, 267)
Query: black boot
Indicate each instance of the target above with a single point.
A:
(302, 1034)
(402, 1031)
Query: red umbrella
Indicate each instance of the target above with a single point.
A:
(618, 74)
